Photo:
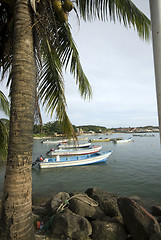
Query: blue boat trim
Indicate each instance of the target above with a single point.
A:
(75, 160)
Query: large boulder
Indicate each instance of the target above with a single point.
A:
(140, 223)
(106, 201)
(156, 210)
(85, 207)
(155, 236)
(58, 201)
(71, 225)
(108, 231)
(39, 210)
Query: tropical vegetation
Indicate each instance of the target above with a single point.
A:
(4, 127)
(49, 129)
(35, 44)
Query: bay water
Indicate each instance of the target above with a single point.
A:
(133, 170)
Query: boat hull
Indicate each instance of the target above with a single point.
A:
(83, 145)
(76, 162)
(124, 140)
(100, 140)
(75, 152)
(54, 141)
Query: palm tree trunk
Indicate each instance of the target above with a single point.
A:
(17, 201)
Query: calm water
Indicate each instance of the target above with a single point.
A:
(133, 169)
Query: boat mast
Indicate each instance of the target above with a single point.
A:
(155, 11)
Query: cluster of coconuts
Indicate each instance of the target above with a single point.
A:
(61, 9)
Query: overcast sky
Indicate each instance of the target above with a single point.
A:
(119, 67)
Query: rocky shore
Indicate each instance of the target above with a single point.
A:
(95, 215)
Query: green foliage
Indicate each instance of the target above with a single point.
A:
(4, 134)
(4, 104)
(70, 57)
(51, 128)
(123, 10)
(4, 126)
(93, 128)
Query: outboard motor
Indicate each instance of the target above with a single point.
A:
(39, 159)
(49, 151)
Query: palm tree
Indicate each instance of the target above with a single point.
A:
(4, 106)
(42, 39)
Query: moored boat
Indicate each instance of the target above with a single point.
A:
(115, 139)
(100, 140)
(76, 145)
(73, 152)
(143, 135)
(82, 139)
(123, 140)
(55, 141)
(72, 160)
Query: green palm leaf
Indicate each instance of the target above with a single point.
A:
(123, 10)
(4, 104)
(4, 125)
(4, 134)
(51, 88)
(70, 57)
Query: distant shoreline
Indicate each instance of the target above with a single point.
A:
(89, 134)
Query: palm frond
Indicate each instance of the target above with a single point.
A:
(123, 10)
(6, 36)
(4, 135)
(70, 57)
(4, 104)
(64, 121)
(51, 88)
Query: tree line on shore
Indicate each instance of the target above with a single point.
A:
(54, 128)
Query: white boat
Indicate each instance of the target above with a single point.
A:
(72, 160)
(123, 140)
(100, 140)
(82, 139)
(55, 141)
(76, 145)
(73, 152)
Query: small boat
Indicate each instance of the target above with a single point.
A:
(143, 135)
(100, 140)
(82, 139)
(55, 141)
(77, 145)
(115, 139)
(123, 140)
(71, 161)
(73, 152)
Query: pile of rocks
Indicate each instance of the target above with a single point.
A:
(97, 215)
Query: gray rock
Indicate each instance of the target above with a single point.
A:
(58, 199)
(155, 236)
(71, 225)
(108, 231)
(106, 201)
(38, 210)
(156, 210)
(85, 209)
(140, 223)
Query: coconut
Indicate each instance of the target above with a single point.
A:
(67, 5)
(62, 16)
(57, 6)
